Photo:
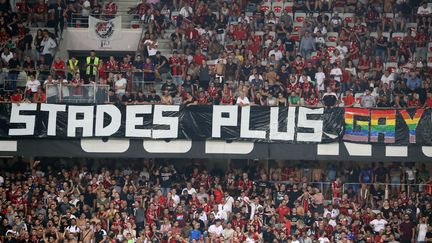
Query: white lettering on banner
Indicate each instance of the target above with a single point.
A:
(218, 121)
(52, 116)
(132, 120)
(28, 120)
(86, 123)
(316, 125)
(245, 132)
(159, 119)
(274, 125)
(113, 126)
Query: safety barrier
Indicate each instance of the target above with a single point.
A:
(77, 93)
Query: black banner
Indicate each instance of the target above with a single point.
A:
(229, 123)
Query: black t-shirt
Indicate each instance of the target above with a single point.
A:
(155, 98)
(381, 173)
(140, 98)
(406, 230)
(289, 45)
(99, 235)
(113, 98)
(329, 100)
(13, 64)
(127, 98)
(4, 229)
(262, 185)
(171, 88)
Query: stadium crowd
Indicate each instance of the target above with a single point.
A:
(149, 201)
(312, 53)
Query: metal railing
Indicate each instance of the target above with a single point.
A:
(79, 21)
(9, 85)
(77, 93)
(407, 187)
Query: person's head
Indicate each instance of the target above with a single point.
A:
(92, 53)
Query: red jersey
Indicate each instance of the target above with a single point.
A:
(191, 34)
(212, 91)
(428, 102)
(348, 100)
(313, 101)
(363, 63)
(4, 37)
(59, 65)
(125, 66)
(199, 59)
(177, 62)
(78, 90)
(227, 100)
(110, 8)
(203, 43)
(112, 65)
(40, 8)
(298, 66)
(293, 86)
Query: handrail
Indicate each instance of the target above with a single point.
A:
(384, 184)
(72, 23)
(64, 93)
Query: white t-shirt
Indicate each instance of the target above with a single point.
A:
(378, 224)
(33, 85)
(7, 57)
(73, 229)
(186, 12)
(118, 84)
(151, 51)
(217, 230)
(228, 204)
(51, 88)
(278, 54)
(244, 101)
(323, 240)
(86, 9)
(189, 191)
(387, 80)
(424, 11)
(47, 45)
(337, 72)
(320, 77)
(1, 180)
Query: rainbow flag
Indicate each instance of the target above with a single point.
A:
(412, 122)
(359, 132)
(388, 128)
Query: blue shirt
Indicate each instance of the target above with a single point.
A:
(413, 83)
(194, 235)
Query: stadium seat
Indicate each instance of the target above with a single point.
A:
(411, 26)
(348, 17)
(386, 35)
(266, 7)
(314, 56)
(330, 46)
(332, 36)
(391, 66)
(430, 47)
(392, 58)
(373, 34)
(299, 17)
(277, 8)
(174, 15)
(398, 36)
(298, 26)
(429, 57)
(389, 16)
(288, 6)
